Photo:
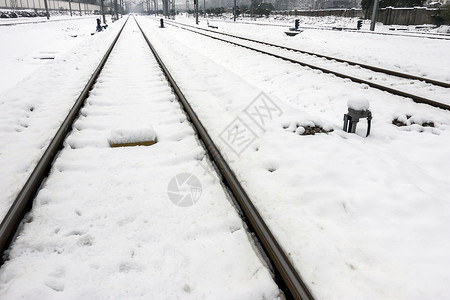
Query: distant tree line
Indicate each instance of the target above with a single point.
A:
(442, 16)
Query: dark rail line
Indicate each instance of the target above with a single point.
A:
(373, 68)
(285, 269)
(415, 98)
(23, 202)
(435, 36)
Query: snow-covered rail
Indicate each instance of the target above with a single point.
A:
(284, 268)
(352, 63)
(416, 34)
(372, 76)
(118, 95)
(23, 201)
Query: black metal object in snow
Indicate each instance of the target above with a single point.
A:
(359, 24)
(161, 22)
(351, 119)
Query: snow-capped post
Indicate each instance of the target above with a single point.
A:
(374, 15)
(357, 109)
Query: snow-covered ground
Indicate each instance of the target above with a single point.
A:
(43, 90)
(418, 56)
(24, 46)
(103, 218)
(361, 218)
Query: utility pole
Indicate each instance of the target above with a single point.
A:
(79, 6)
(70, 7)
(46, 9)
(234, 11)
(374, 15)
(165, 8)
(196, 11)
(103, 11)
(116, 9)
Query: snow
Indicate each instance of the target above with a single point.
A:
(31, 111)
(104, 218)
(403, 53)
(361, 218)
(24, 45)
(132, 135)
(358, 104)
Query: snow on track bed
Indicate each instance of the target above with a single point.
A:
(414, 88)
(103, 218)
(34, 108)
(362, 218)
(420, 57)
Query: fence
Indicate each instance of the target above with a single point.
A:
(387, 16)
(52, 5)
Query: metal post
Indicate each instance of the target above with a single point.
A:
(70, 7)
(374, 15)
(204, 8)
(79, 6)
(117, 12)
(234, 11)
(102, 6)
(196, 11)
(46, 9)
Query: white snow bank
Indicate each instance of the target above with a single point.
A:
(358, 103)
(132, 135)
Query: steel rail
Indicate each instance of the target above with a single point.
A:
(292, 279)
(415, 98)
(435, 36)
(23, 202)
(372, 68)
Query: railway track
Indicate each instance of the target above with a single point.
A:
(443, 86)
(78, 123)
(352, 63)
(436, 36)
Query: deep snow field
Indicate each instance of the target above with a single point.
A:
(361, 218)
